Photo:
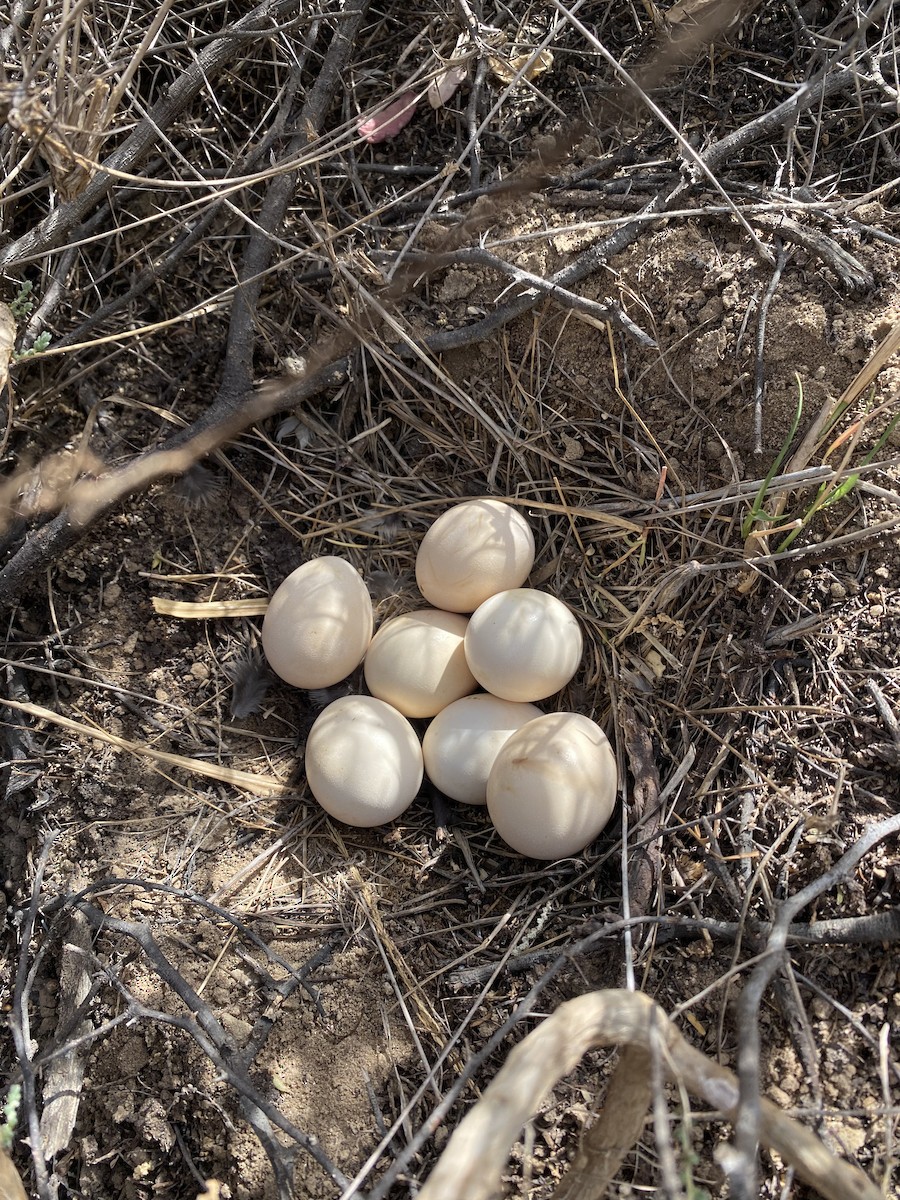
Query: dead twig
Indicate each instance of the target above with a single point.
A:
(643, 867)
(889, 751)
(206, 1030)
(231, 413)
(20, 1027)
(601, 312)
(238, 373)
(617, 1128)
(55, 228)
(64, 1075)
(477, 1151)
(256, 784)
(837, 931)
(750, 1119)
(759, 378)
(832, 81)
(855, 278)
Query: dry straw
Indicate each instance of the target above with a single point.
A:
(257, 784)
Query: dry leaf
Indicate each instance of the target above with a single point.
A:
(443, 86)
(530, 66)
(7, 342)
(10, 1180)
(205, 610)
(442, 89)
(390, 120)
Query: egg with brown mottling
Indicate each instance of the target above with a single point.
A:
(552, 787)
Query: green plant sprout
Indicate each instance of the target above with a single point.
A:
(23, 305)
(22, 308)
(757, 512)
(40, 344)
(830, 491)
(10, 1116)
(689, 1160)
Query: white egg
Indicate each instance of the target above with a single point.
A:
(363, 761)
(417, 662)
(523, 645)
(463, 740)
(318, 624)
(473, 551)
(553, 786)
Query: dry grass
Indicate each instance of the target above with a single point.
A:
(496, 303)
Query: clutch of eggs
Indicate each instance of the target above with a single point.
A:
(548, 780)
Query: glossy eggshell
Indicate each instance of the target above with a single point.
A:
(523, 645)
(417, 662)
(318, 624)
(363, 761)
(552, 788)
(473, 551)
(464, 739)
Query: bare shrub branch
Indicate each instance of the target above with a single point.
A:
(476, 1154)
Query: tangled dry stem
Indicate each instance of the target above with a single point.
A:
(476, 1154)
(234, 410)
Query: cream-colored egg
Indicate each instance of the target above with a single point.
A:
(523, 645)
(318, 624)
(417, 662)
(552, 787)
(473, 551)
(363, 761)
(464, 739)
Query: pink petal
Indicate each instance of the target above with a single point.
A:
(390, 120)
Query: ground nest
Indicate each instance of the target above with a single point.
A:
(634, 269)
